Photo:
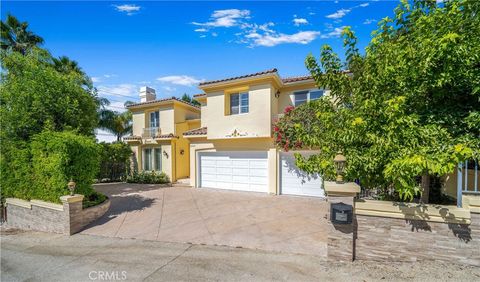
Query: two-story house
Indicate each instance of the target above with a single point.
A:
(233, 148)
(157, 139)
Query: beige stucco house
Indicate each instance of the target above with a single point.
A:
(231, 145)
(157, 139)
(234, 148)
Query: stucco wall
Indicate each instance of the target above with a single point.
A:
(138, 119)
(255, 123)
(450, 182)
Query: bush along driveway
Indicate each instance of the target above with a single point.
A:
(214, 217)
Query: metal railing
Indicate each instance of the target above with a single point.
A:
(150, 132)
(466, 182)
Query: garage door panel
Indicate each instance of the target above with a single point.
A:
(294, 181)
(246, 171)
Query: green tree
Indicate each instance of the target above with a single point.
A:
(408, 108)
(189, 99)
(34, 95)
(15, 36)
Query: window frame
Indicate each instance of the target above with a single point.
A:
(157, 117)
(152, 160)
(309, 91)
(241, 103)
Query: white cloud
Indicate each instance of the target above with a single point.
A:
(339, 14)
(336, 32)
(270, 40)
(184, 80)
(311, 13)
(201, 30)
(364, 4)
(225, 18)
(121, 90)
(96, 79)
(299, 21)
(369, 21)
(128, 8)
(214, 34)
(169, 88)
(203, 36)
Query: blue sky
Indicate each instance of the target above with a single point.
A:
(171, 46)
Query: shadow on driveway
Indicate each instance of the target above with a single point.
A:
(124, 198)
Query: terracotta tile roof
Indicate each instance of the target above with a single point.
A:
(196, 131)
(162, 100)
(296, 78)
(239, 77)
(166, 136)
(199, 95)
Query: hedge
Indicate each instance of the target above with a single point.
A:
(58, 157)
(42, 168)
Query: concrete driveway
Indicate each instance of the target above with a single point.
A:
(214, 217)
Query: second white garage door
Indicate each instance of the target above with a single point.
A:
(245, 171)
(294, 181)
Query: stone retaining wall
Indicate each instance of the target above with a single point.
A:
(433, 234)
(68, 218)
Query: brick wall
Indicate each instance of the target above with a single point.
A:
(393, 239)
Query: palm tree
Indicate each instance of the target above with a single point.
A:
(16, 36)
(119, 124)
(63, 64)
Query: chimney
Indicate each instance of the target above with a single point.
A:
(147, 94)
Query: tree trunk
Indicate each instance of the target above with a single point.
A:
(425, 188)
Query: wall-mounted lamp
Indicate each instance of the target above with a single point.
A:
(182, 152)
(277, 94)
(165, 154)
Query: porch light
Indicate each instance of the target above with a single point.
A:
(71, 186)
(339, 162)
(277, 94)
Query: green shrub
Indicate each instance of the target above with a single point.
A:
(114, 161)
(149, 178)
(58, 157)
(15, 170)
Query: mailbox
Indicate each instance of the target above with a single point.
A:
(341, 213)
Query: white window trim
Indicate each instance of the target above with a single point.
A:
(239, 103)
(150, 119)
(292, 94)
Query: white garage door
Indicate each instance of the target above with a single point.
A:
(293, 181)
(245, 171)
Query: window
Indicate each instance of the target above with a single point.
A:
(152, 159)
(158, 159)
(147, 159)
(238, 103)
(301, 97)
(155, 119)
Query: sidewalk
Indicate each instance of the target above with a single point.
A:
(36, 256)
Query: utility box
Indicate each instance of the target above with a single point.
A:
(341, 213)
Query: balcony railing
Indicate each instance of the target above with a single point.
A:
(150, 132)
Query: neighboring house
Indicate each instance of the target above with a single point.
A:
(157, 140)
(234, 147)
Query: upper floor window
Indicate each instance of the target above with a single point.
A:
(304, 96)
(155, 119)
(238, 103)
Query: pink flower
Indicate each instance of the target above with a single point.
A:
(288, 109)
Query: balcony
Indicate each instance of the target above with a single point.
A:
(150, 132)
